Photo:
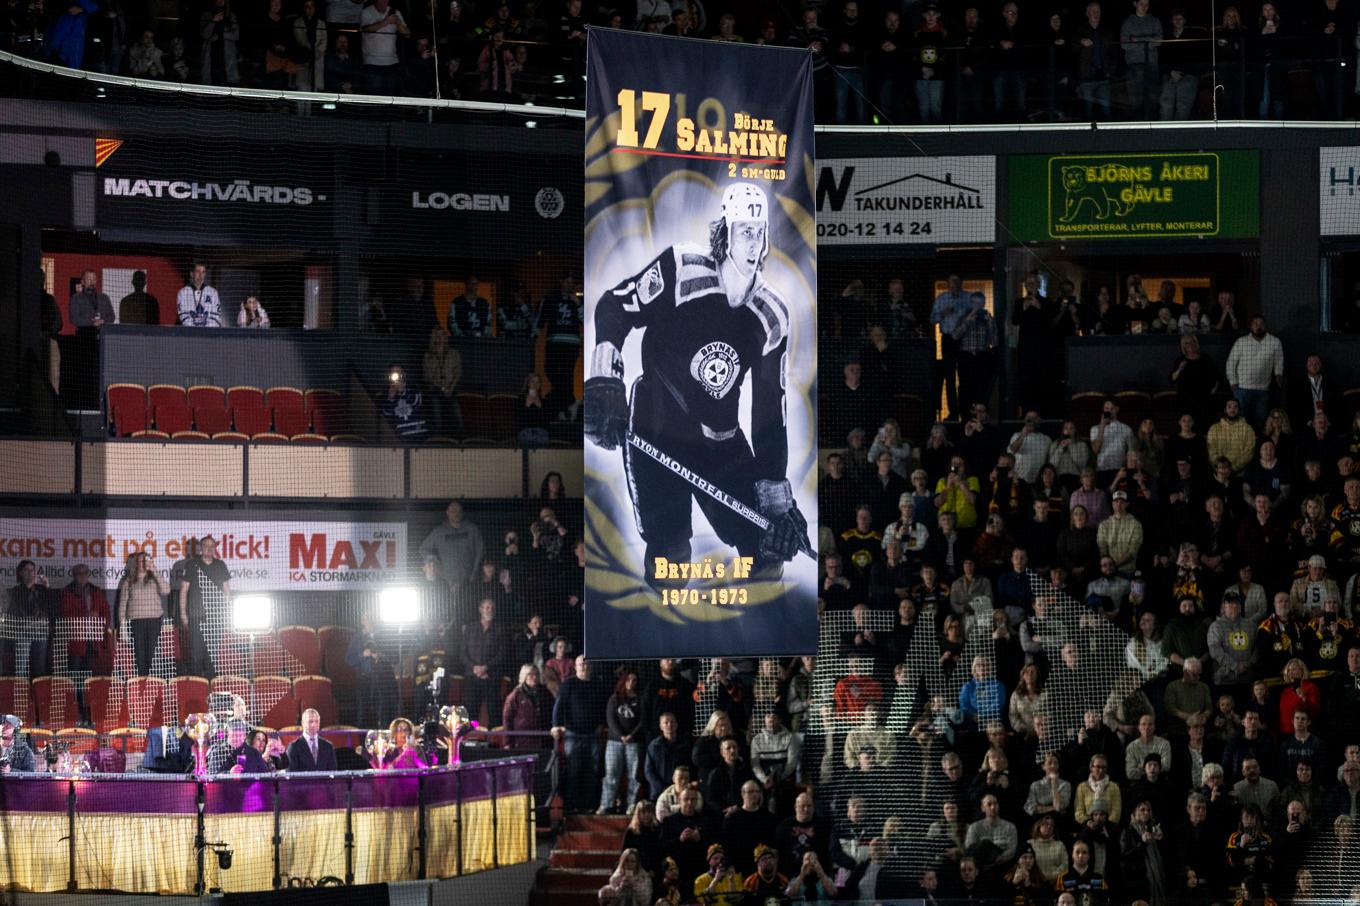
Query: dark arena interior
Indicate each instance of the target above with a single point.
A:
(308, 372)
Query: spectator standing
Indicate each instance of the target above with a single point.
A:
(198, 304)
(560, 319)
(381, 25)
(204, 602)
(928, 46)
(484, 649)
(1255, 364)
(576, 718)
(90, 308)
(1140, 36)
(1096, 60)
(850, 41)
(141, 602)
(443, 370)
(34, 605)
(310, 38)
(976, 339)
(404, 407)
(1110, 443)
(1033, 316)
(252, 314)
(220, 31)
(139, 306)
(623, 751)
(83, 601)
(947, 313)
(453, 551)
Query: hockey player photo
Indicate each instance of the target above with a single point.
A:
(709, 320)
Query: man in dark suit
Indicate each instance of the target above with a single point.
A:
(309, 752)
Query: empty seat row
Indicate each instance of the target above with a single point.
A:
(213, 410)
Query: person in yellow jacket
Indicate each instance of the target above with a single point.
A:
(1232, 438)
(721, 885)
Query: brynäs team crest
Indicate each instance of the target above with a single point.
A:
(715, 366)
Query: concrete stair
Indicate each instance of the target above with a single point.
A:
(581, 861)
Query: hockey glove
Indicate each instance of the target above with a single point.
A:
(605, 420)
(787, 533)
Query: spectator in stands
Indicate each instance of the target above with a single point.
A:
(623, 750)
(1030, 448)
(668, 800)
(576, 717)
(983, 698)
(454, 549)
(145, 61)
(1097, 790)
(958, 493)
(233, 755)
(1145, 868)
(991, 839)
(198, 304)
(484, 649)
(219, 31)
(375, 679)
(85, 603)
(1033, 313)
(15, 755)
(139, 306)
(341, 76)
(90, 308)
(976, 339)
(252, 313)
(1069, 455)
(630, 884)
(380, 25)
(1110, 443)
(687, 835)
(309, 752)
(1120, 537)
(141, 601)
(1255, 364)
(470, 314)
(204, 600)
(404, 407)
(442, 370)
(948, 312)
(1147, 742)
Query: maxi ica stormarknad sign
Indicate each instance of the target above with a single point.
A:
(1133, 196)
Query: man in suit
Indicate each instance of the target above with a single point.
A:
(309, 752)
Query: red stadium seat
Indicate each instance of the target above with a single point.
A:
(292, 422)
(236, 685)
(127, 740)
(167, 395)
(268, 437)
(334, 646)
(190, 695)
(313, 439)
(477, 418)
(304, 647)
(270, 657)
(211, 419)
(1134, 406)
(208, 396)
(235, 437)
(174, 417)
(38, 738)
(126, 395)
(315, 692)
(327, 410)
(244, 396)
(285, 398)
(251, 420)
(150, 434)
(16, 698)
(128, 419)
(146, 701)
(275, 705)
(501, 409)
(189, 435)
(106, 701)
(80, 740)
(55, 699)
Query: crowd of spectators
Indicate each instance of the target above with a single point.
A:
(916, 62)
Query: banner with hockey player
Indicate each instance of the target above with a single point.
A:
(700, 349)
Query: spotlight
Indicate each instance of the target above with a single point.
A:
(224, 856)
(399, 605)
(252, 613)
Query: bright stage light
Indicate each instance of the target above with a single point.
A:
(252, 613)
(399, 605)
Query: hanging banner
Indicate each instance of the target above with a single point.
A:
(261, 556)
(701, 349)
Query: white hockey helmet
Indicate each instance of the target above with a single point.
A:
(743, 202)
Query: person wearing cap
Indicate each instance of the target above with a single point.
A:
(233, 755)
(1154, 786)
(1120, 537)
(721, 885)
(1311, 589)
(766, 883)
(15, 755)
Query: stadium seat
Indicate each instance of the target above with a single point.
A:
(174, 417)
(271, 658)
(189, 435)
(501, 412)
(1084, 409)
(16, 698)
(292, 422)
(1164, 413)
(304, 645)
(127, 740)
(212, 420)
(208, 396)
(334, 646)
(150, 434)
(268, 437)
(190, 695)
(79, 740)
(126, 395)
(245, 397)
(146, 701)
(910, 412)
(235, 437)
(315, 692)
(55, 700)
(167, 395)
(314, 439)
(106, 702)
(278, 398)
(327, 409)
(1134, 406)
(128, 419)
(274, 702)
(251, 420)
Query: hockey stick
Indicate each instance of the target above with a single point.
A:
(697, 481)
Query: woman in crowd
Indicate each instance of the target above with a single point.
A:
(1048, 487)
(907, 531)
(1148, 444)
(1078, 550)
(552, 487)
(922, 497)
(1024, 884)
(559, 666)
(252, 314)
(644, 836)
(1069, 454)
(1188, 445)
(404, 754)
(1050, 853)
(141, 602)
(706, 754)
(442, 368)
(1195, 378)
(937, 452)
(630, 884)
(1141, 858)
(623, 752)
(1143, 653)
(1299, 693)
(532, 417)
(527, 709)
(889, 440)
(1027, 700)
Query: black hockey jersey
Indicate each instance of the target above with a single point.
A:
(701, 347)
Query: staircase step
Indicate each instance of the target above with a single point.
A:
(597, 824)
(584, 858)
(574, 840)
(575, 880)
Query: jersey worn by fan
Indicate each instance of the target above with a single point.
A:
(700, 347)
